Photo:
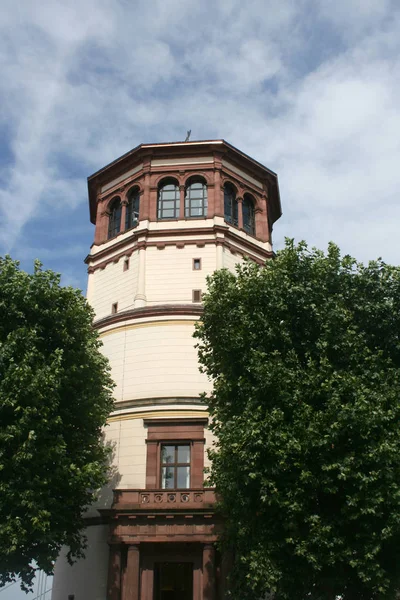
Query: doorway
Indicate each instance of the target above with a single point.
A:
(173, 581)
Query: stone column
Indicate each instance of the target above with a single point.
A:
(102, 218)
(181, 201)
(239, 200)
(124, 204)
(140, 298)
(144, 208)
(153, 201)
(261, 224)
(131, 579)
(114, 573)
(208, 572)
(218, 196)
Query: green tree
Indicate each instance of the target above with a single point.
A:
(305, 357)
(55, 396)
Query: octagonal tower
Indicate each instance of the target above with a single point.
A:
(166, 216)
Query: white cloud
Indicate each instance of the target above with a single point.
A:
(308, 88)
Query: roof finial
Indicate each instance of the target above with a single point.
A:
(188, 135)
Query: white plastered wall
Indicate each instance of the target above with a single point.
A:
(170, 277)
(154, 360)
(231, 260)
(128, 437)
(113, 284)
(86, 579)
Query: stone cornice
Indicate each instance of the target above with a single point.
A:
(161, 310)
(230, 240)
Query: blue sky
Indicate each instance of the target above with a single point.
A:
(310, 88)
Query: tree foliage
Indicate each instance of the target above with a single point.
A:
(55, 396)
(305, 357)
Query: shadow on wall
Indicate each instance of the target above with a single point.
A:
(105, 495)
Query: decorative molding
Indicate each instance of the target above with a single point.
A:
(200, 243)
(153, 424)
(145, 402)
(174, 414)
(234, 182)
(202, 175)
(226, 230)
(160, 310)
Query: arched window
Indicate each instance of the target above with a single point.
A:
(168, 200)
(230, 204)
(114, 221)
(132, 209)
(196, 199)
(248, 215)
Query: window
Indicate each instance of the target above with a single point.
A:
(114, 221)
(185, 434)
(132, 209)
(114, 308)
(175, 466)
(197, 264)
(196, 295)
(168, 200)
(126, 264)
(196, 200)
(230, 205)
(248, 215)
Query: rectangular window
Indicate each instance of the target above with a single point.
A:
(175, 466)
(196, 295)
(196, 264)
(126, 264)
(114, 308)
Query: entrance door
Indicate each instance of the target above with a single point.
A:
(173, 581)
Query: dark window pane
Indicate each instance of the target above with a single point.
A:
(132, 211)
(235, 212)
(168, 204)
(183, 454)
(168, 195)
(167, 454)
(196, 203)
(168, 214)
(196, 212)
(167, 478)
(248, 216)
(196, 193)
(228, 202)
(114, 223)
(183, 477)
(196, 200)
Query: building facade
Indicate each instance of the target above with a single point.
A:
(166, 216)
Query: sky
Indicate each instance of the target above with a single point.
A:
(309, 88)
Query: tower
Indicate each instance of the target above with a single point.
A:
(166, 216)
